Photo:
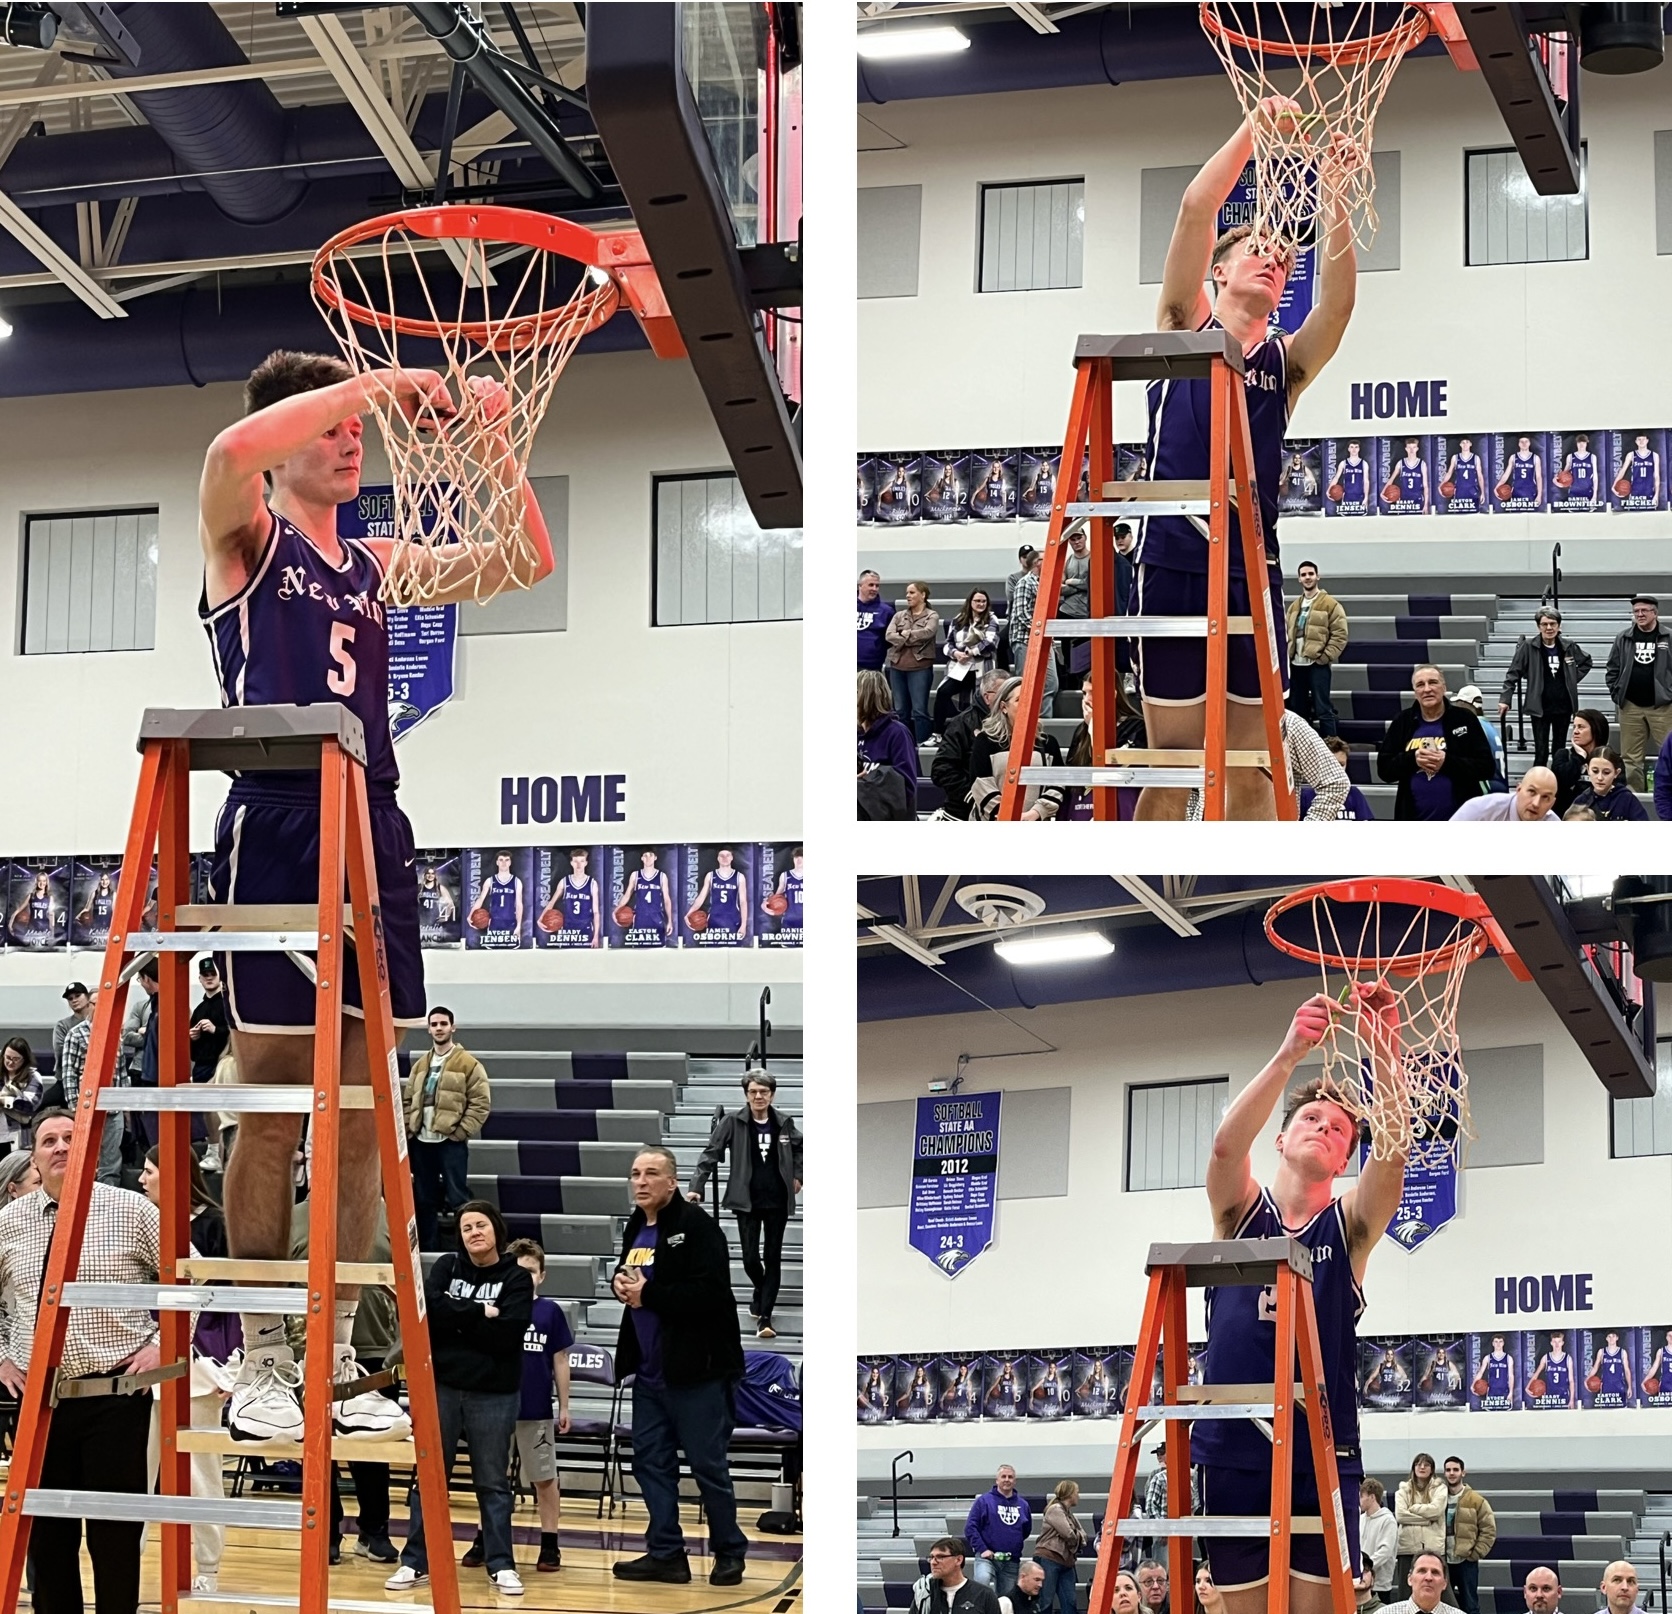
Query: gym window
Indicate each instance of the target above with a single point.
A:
(1033, 236)
(1169, 1132)
(89, 582)
(1509, 222)
(713, 564)
(1643, 1126)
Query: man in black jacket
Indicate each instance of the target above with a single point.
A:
(1639, 678)
(765, 1177)
(1435, 751)
(1553, 667)
(951, 767)
(681, 1345)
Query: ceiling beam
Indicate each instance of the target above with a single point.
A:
(1034, 17)
(1157, 904)
(14, 220)
(83, 89)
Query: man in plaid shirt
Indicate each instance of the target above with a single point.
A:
(71, 1064)
(94, 1442)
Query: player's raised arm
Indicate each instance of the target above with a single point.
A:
(1230, 1178)
(1336, 264)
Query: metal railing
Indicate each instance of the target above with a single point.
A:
(895, 1477)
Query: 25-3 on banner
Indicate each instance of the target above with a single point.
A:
(954, 1177)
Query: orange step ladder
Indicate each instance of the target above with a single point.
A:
(174, 745)
(1100, 361)
(1285, 1266)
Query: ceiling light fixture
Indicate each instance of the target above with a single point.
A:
(887, 44)
(1067, 948)
(5, 327)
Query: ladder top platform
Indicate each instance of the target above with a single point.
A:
(1152, 355)
(1233, 1261)
(256, 738)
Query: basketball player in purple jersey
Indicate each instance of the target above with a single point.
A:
(293, 615)
(1464, 474)
(1248, 277)
(501, 898)
(1525, 473)
(722, 894)
(1315, 1142)
(1353, 475)
(1613, 1367)
(1581, 465)
(647, 890)
(32, 924)
(790, 889)
(1555, 1367)
(1412, 472)
(1643, 470)
(576, 899)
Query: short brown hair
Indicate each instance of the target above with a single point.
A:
(1311, 1093)
(1371, 1486)
(284, 374)
(1231, 238)
(518, 1248)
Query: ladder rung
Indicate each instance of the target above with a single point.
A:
(207, 1269)
(1140, 507)
(347, 1448)
(1213, 1409)
(237, 1097)
(134, 1508)
(225, 941)
(185, 1297)
(1137, 488)
(1141, 627)
(1160, 778)
(230, 916)
(1138, 757)
(1224, 1393)
(349, 1605)
(1223, 1525)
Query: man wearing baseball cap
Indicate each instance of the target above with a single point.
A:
(1639, 678)
(80, 1002)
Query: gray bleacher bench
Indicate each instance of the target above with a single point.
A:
(629, 1126)
(579, 1235)
(596, 1196)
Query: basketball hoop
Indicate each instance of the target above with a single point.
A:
(1317, 162)
(419, 290)
(1416, 938)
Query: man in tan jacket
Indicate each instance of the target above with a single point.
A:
(1316, 628)
(447, 1103)
(1471, 1529)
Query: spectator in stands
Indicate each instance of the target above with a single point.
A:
(71, 1069)
(207, 1035)
(950, 769)
(874, 613)
(1125, 567)
(1080, 802)
(1057, 1549)
(1663, 781)
(142, 1126)
(1153, 1586)
(945, 1589)
(1469, 695)
(1639, 678)
(1027, 1596)
(885, 741)
(1209, 1598)
(1435, 751)
(1354, 806)
(480, 1301)
(21, 1087)
(1316, 624)
(448, 1100)
(1543, 1591)
(1419, 1509)
(1155, 1496)
(1606, 794)
(990, 756)
(1075, 602)
(1471, 1529)
(132, 1055)
(679, 1342)
(761, 1187)
(1428, 1587)
(972, 644)
(80, 1001)
(1378, 1544)
(999, 1522)
(19, 1175)
(1619, 1589)
(1579, 815)
(1530, 803)
(1024, 599)
(1588, 735)
(912, 635)
(1026, 554)
(1553, 667)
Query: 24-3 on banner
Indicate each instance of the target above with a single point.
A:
(954, 1177)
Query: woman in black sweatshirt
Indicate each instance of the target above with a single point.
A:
(480, 1303)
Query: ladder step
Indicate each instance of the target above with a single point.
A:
(238, 1097)
(207, 1269)
(236, 916)
(1222, 1394)
(1141, 506)
(1141, 627)
(185, 1297)
(1137, 488)
(1223, 1525)
(344, 1448)
(1215, 1409)
(132, 1508)
(224, 941)
(1159, 778)
(1138, 757)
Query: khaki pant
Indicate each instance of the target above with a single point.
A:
(1643, 731)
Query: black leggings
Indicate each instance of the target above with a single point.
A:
(765, 1276)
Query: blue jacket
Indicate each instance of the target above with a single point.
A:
(1663, 781)
(873, 628)
(997, 1523)
(1619, 805)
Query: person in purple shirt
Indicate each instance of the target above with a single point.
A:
(999, 1522)
(874, 615)
(1607, 794)
(883, 737)
(1435, 751)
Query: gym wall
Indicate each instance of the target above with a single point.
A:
(1521, 347)
(1067, 1264)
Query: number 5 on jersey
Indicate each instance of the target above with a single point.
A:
(340, 680)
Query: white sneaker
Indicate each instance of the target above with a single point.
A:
(266, 1402)
(368, 1416)
(507, 1582)
(211, 1160)
(206, 1583)
(404, 1579)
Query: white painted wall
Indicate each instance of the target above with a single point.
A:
(1542, 346)
(704, 721)
(1076, 1264)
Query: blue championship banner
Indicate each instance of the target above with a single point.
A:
(422, 638)
(1296, 302)
(1430, 1198)
(954, 1177)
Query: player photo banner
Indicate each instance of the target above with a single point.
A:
(1439, 1368)
(1522, 483)
(867, 490)
(1300, 484)
(644, 896)
(1464, 476)
(1385, 1380)
(1612, 1373)
(1494, 1371)
(1579, 475)
(1131, 464)
(1349, 476)
(944, 479)
(38, 904)
(898, 496)
(1638, 461)
(1654, 1351)
(992, 484)
(1100, 1379)
(1549, 1372)
(1051, 1385)
(1405, 475)
(499, 889)
(1005, 1376)
(778, 887)
(954, 1178)
(876, 1388)
(916, 1389)
(440, 898)
(717, 884)
(94, 888)
(570, 892)
(959, 1377)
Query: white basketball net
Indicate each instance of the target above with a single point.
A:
(459, 492)
(1428, 1122)
(1315, 163)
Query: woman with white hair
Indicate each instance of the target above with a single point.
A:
(990, 758)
